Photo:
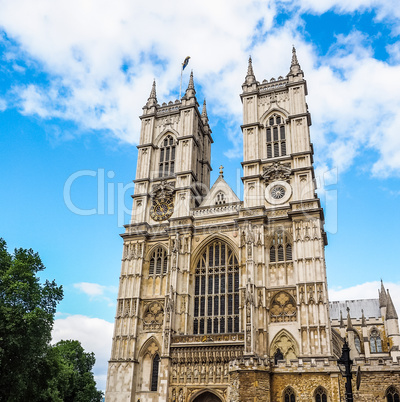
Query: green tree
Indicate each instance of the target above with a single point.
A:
(74, 381)
(27, 310)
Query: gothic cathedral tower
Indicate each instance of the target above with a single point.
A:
(221, 299)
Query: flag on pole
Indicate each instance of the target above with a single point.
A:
(185, 62)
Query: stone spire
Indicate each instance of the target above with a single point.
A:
(382, 296)
(190, 91)
(295, 68)
(204, 116)
(390, 309)
(250, 77)
(294, 58)
(152, 100)
(349, 324)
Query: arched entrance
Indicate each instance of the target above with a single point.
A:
(207, 397)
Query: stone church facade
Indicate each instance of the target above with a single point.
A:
(226, 300)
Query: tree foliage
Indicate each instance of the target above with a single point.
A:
(75, 381)
(30, 368)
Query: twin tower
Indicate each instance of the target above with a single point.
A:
(221, 299)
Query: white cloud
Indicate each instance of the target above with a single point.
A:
(101, 58)
(3, 105)
(95, 336)
(96, 291)
(91, 289)
(367, 290)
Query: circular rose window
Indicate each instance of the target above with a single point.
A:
(278, 192)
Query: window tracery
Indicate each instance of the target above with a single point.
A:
(276, 136)
(283, 308)
(281, 248)
(220, 198)
(158, 262)
(167, 157)
(153, 316)
(216, 290)
(375, 341)
(285, 345)
(321, 395)
(289, 395)
(392, 395)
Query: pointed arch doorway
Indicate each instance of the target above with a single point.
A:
(207, 397)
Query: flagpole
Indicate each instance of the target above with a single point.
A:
(180, 88)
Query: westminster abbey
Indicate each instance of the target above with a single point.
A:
(222, 299)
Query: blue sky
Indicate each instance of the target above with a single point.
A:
(75, 74)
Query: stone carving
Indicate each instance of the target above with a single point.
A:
(283, 308)
(153, 316)
(286, 344)
(277, 171)
(163, 190)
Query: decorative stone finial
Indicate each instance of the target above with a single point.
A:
(204, 115)
(250, 77)
(390, 309)
(363, 321)
(349, 324)
(295, 68)
(341, 320)
(221, 171)
(294, 57)
(152, 100)
(382, 296)
(190, 91)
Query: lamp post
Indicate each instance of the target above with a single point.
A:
(344, 364)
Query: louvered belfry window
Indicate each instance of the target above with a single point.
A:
(216, 291)
(276, 136)
(167, 157)
(281, 248)
(158, 262)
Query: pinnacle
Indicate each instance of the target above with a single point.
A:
(190, 91)
(250, 67)
(363, 322)
(390, 309)
(295, 68)
(250, 77)
(382, 296)
(191, 82)
(153, 91)
(294, 57)
(204, 111)
(349, 324)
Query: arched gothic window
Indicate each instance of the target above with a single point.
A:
(276, 139)
(281, 248)
(357, 342)
(158, 262)
(375, 342)
(289, 395)
(216, 290)
(154, 373)
(167, 157)
(321, 395)
(392, 395)
(220, 198)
